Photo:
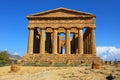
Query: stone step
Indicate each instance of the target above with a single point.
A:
(74, 59)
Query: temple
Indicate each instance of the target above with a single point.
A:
(62, 35)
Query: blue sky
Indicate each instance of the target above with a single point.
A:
(13, 22)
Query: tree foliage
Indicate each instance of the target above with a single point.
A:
(4, 58)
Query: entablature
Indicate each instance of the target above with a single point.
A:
(70, 25)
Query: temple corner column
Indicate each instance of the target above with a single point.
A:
(80, 41)
(30, 41)
(93, 42)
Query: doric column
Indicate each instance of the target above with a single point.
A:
(42, 41)
(67, 42)
(80, 41)
(76, 43)
(54, 43)
(93, 42)
(30, 41)
(60, 42)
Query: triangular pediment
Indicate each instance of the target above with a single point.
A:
(61, 12)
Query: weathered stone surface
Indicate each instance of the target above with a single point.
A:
(96, 65)
(109, 62)
(14, 68)
(45, 43)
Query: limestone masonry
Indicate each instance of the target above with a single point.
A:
(61, 36)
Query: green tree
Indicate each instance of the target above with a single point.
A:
(4, 58)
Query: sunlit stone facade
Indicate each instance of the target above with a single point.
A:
(60, 35)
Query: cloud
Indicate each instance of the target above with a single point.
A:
(11, 52)
(6, 49)
(15, 53)
(108, 52)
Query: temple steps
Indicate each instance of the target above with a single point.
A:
(62, 58)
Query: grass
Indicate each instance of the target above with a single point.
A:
(47, 64)
(1, 65)
(35, 64)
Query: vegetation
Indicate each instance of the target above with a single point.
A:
(4, 59)
(35, 64)
(50, 64)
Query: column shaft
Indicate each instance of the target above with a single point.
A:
(93, 42)
(80, 42)
(68, 46)
(42, 41)
(60, 42)
(76, 43)
(54, 43)
(30, 41)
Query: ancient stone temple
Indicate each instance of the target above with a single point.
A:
(62, 35)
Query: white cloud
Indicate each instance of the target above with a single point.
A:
(11, 52)
(108, 52)
(15, 53)
(6, 49)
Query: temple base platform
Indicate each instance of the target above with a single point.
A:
(61, 58)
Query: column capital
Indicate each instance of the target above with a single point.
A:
(93, 28)
(54, 28)
(67, 28)
(31, 28)
(42, 28)
(80, 28)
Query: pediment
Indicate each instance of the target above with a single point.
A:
(61, 12)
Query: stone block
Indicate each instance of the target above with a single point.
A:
(96, 65)
(14, 68)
